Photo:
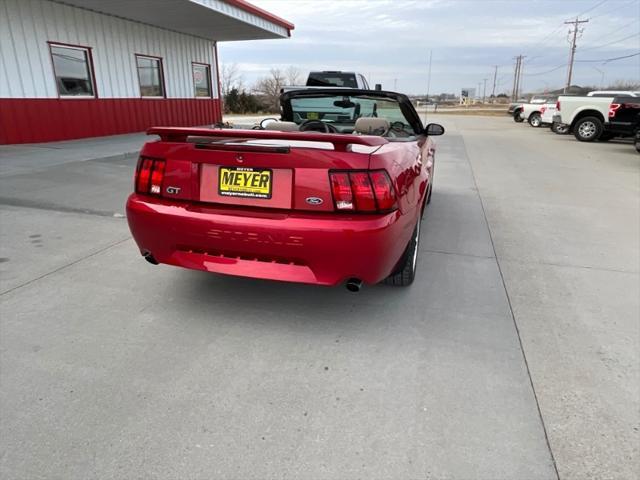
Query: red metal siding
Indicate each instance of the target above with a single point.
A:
(31, 120)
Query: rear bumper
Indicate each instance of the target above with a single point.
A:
(623, 129)
(323, 249)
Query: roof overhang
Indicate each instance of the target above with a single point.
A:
(217, 20)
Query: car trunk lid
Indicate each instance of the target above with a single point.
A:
(254, 168)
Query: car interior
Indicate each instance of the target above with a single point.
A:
(362, 126)
(361, 114)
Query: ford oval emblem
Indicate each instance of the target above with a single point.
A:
(314, 201)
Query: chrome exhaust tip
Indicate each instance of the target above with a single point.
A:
(354, 285)
(149, 258)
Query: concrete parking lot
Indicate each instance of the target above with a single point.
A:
(515, 355)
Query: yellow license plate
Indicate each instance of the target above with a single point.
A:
(245, 182)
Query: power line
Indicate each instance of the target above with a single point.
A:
(549, 36)
(611, 43)
(618, 7)
(605, 60)
(592, 8)
(558, 29)
(545, 39)
(548, 71)
(627, 24)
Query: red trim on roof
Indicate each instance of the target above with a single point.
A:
(248, 7)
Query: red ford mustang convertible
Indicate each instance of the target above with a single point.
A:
(333, 192)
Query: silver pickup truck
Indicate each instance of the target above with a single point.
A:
(586, 116)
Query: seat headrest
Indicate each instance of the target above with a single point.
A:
(372, 126)
(282, 126)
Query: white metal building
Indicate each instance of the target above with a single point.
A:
(81, 68)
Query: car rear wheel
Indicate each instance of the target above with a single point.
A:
(588, 129)
(406, 269)
(559, 128)
(535, 120)
(517, 117)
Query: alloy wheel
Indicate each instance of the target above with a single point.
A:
(587, 129)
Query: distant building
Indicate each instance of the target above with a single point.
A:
(85, 68)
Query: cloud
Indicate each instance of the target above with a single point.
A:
(389, 41)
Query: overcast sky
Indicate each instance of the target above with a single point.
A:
(390, 39)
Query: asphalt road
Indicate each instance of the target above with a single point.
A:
(515, 355)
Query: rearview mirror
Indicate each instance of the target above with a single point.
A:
(434, 129)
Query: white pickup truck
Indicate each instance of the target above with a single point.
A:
(532, 112)
(586, 116)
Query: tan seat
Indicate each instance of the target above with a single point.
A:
(371, 126)
(282, 126)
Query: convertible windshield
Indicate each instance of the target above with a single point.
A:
(342, 111)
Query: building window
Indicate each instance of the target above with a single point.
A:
(73, 71)
(201, 79)
(150, 76)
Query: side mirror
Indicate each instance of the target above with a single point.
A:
(434, 129)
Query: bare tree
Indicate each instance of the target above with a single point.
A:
(231, 78)
(293, 75)
(269, 88)
(624, 85)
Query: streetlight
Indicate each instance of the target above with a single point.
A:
(601, 77)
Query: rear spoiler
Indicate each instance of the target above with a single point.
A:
(339, 141)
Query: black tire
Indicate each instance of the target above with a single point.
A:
(405, 272)
(516, 117)
(535, 120)
(588, 129)
(559, 128)
(636, 141)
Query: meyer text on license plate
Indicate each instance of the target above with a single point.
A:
(245, 182)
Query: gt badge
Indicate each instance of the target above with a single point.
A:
(173, 190)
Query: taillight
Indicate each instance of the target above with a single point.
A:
(558, 105)
(362, 191)
(149, 176)
(613, 108)
(383, 190)
(341, 189)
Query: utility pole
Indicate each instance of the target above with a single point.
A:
(495, 77)
(484, 91)
(520, 69)
(516, 77)
(428, 88)
(572, 51)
